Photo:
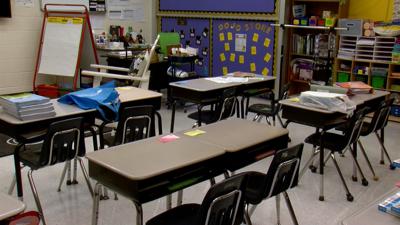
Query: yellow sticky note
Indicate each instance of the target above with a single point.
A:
(253, 50)
(295, 99)
(267, 42)
(232, 58)
(360, 72)
(221, 37)
(265, 71)
(267, 57)
(222, 57)
(230, 36)
(227, 47)
(255, 37)
(252, 67)
(224, 70)
(194, 133)
(241, 59)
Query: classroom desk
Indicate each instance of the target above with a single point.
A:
(148, 169)
(10, 207)
(16, 128)
(202, 91)
(324, 119)
(371, 215)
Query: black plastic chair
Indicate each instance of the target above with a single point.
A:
(282, 175)
(222, 205)
(135, 123)
(270, 110)
(63, 142)
(337, 143)
(224, 108)
(378, 123)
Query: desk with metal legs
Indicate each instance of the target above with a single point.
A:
(324, 120)
(149, 169)
(203, 91)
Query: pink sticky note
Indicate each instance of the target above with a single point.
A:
(168, 138)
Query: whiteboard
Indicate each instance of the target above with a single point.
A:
(79, 2)
(60, 48)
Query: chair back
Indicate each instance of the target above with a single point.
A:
(283, 95)
(284, 171)
(353, 131)
(64, 141)
(224, 202)
(134, 124)
(227, 105)
(381, 116)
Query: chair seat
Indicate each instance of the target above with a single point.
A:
(207, 116)
(333, 142)
(31, 156)
(182, 215)
(262, 109)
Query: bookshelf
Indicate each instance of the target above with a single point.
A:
(311, 42)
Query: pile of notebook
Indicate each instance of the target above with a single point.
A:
(27, 106)
(391, 205)
(356, 87)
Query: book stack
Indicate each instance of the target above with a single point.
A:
(356, 87)
(27, 106)
(391, 205)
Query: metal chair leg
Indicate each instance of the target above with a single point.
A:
(384, 150)
(364, 181)
(247, 219)
(268, 121)
(62, 176)
(69, 173)
(252, 209)
(12, 185)
(350, 197)
(280, 120)
(290, 207)
(96, 201)
(308, 163)
(36, 196)
(85, 174)
(278, 208)
(256, 118)
(212, 181)
(368, 161)
(226, 174)
(180, 198)
(74, 175)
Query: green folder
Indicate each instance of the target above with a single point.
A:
(168, 39)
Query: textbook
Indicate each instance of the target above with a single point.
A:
(390, 204)
(356, 87)
(23, 99)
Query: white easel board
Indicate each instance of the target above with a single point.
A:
(64, 8)
(60, 51)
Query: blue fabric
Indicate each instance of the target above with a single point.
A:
(103, 98)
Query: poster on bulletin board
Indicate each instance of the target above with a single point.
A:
(194, 33)
(240, 45)
(245, 6)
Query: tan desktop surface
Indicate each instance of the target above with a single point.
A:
(128, 93)
(9, 206)
(236, 134)
(148, 158)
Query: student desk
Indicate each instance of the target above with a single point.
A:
(371, 215)
(9, 207)
(202, 91)
(148, 169)
(325, 119)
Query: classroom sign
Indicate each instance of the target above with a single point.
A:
(246, 46)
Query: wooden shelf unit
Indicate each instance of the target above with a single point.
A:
(313, 8)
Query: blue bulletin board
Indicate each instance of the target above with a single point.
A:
(246, 6)
(196, 34)
(240, 45)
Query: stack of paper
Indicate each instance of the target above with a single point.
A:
(27, 106)
(356, 87)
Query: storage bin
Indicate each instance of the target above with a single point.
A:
(378, 82)
(355, 27)
(48, 90)
(343, 77)
(395, 111)
(377, 71)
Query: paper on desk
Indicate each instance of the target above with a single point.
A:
(194, 133)
(169, 138)
(228, 79)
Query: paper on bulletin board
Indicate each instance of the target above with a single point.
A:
(221, 37)
(222, 57)
(24, 3)
(253, 67)
(230, 36)
(240, 42)
(227, 47)
(232, 57)
(118, 2)
(241, 59)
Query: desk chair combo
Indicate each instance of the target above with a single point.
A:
(282, 175)
(63, 142)
(269, 110)
(337, 143)
(225, 107)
